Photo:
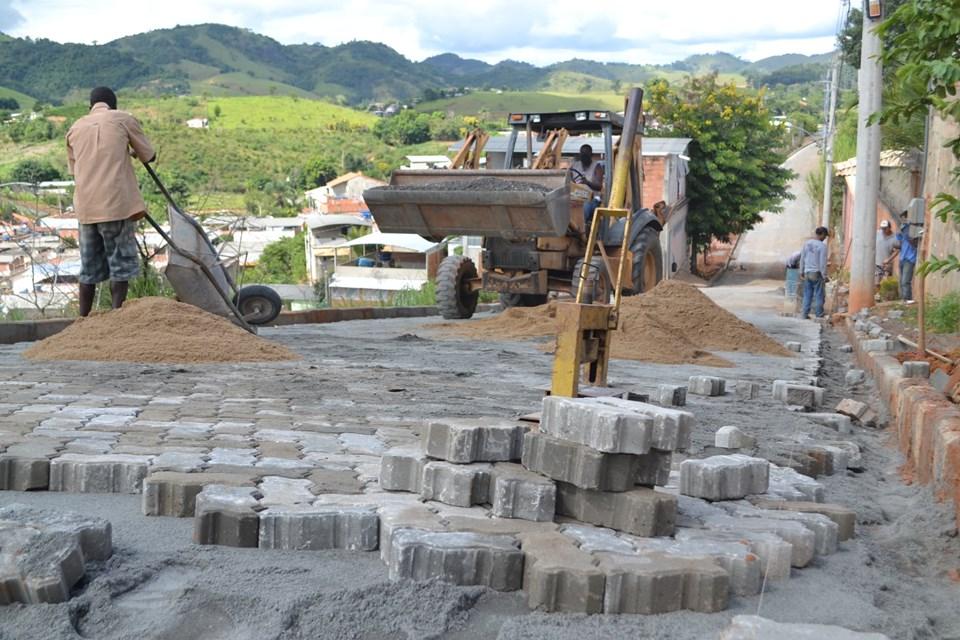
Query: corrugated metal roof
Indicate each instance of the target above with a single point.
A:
(651, 146)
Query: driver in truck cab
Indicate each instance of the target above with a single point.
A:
(587, 172)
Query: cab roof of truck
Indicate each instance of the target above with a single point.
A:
(573, 121)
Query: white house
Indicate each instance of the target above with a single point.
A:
(198, 123)
(428, 162)
(323, 242)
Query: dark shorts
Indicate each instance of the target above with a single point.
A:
(108, 251)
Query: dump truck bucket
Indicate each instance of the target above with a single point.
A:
(493, 204)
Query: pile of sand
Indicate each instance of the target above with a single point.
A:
(157, 330)
(672, 324)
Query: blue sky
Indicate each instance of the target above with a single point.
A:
(637, 31)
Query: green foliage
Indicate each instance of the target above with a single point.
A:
(852, 35)
(282, 262)
(943, 314)
(319, 171)
(34, 171)
(735, 170)
(36, 130)
(9, 104)
(407, 127)
(889, 289)
(425, 296)
(923, 37)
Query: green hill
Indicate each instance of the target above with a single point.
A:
(499, 104)
(23, 99)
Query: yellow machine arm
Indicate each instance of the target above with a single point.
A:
(585, 331)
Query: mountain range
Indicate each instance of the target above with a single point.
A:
(218, 59)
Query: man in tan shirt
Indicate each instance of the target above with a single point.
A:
(107, 198)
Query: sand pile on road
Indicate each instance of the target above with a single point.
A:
(672, 324)
(157, 330)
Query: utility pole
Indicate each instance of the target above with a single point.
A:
(828, 143)
(867, 186)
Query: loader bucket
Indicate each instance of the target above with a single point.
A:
(410, 205)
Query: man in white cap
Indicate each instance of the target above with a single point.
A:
(888, 246)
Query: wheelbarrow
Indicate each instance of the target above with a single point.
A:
(199, 277)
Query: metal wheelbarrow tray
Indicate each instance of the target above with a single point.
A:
(199, 277)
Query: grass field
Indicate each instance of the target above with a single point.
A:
(231, 84)
(282, 112)
(498, 105)
(26, 102)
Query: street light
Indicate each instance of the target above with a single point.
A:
(874, 9)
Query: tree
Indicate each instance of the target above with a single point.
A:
(735, 170)
(217, 111)
(34, 171)
(407, 127)
(852, 34)
(9, 104)
(282, 262)
(923, 37)
(319, 171)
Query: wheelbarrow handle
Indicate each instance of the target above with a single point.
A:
(160, 185)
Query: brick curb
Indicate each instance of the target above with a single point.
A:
(926, 423)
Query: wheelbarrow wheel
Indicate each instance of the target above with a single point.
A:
(258, 304)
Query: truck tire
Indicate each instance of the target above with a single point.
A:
(596, 287)
(647, 260)
(508, 300)
(258, 304)
(454, 299)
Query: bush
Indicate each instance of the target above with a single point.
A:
(943, 314)
(889, 289)
(34, 171)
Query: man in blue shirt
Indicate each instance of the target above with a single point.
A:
(813, 270)
(908, 259)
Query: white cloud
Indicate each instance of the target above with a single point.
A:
(610, 30)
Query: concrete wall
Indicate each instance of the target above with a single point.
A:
(943, 237)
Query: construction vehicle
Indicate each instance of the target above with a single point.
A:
(534, 241)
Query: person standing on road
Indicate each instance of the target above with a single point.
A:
(813, 269)
(107, 198)
(908, 258)
(888, 246)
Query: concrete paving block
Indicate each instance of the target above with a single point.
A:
(38, 566)
(879, 345)
(480, 523)
(117, 473)
(653, 469)
(836, 459)
(672, 428)
(757, 628)
(727, 477)
(735, 557)
(846, 348)
(597, 426)
(518, 493)
(852, 408)
(171, 493)
(845, 519)
(801, 395)
(461, 485)
(794, 486)
(729, 438)
(747, 390)
(594, 539)
(277, 490)
(794, 346)
(578, 464)
(642, 512)
(95, 535)
(178, 461)
(916, 369)
(557, 576)
(706, 386)
(457, 558)
(19, 473)
(313, 528)
(671, 395)
(824, 529)
(401, 469)
(855, 377)
(473, 440)
(803, 541)
(335, 481)
(852, 450)
(227, 516)
(836, 421)
(656, 583)
(405, 516)
(774, 552)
